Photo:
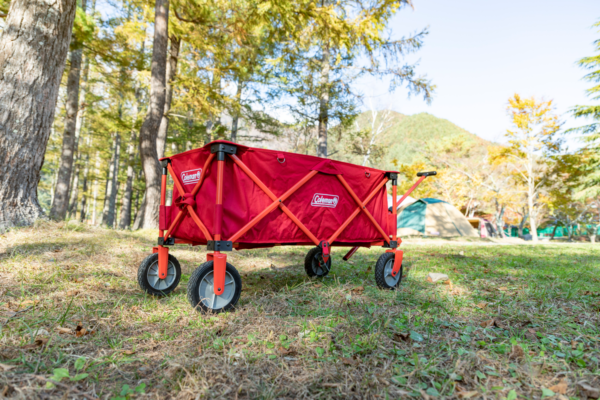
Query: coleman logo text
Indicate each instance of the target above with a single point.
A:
(324, 200)
(191, 176)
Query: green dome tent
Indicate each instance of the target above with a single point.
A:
(433, 217)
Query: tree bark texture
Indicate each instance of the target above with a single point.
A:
(163, 130)
(149, 130)
(324, 103)
(108, 213)
(125, 218)
(33, 49)
(74, 192)
(60, 203)
(95, 194)
(86, 172)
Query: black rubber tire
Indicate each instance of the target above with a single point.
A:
(312, 265)
(380, 273)
(143, 275)
(198, 275)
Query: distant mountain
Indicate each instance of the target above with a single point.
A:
(408, 134)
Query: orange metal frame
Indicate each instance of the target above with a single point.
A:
(220, 259)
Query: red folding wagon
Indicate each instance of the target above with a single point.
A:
(228, 196)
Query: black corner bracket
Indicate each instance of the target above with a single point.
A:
(169, 242)
(392, 175)
(223, 147)
(219, 245)
(164, 163)
(392, 245)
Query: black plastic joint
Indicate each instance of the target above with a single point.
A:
(166, 162)
(428, 173)
(169, 242)
(223, 147)
(219, 245)
(392, 245)
(392, 176)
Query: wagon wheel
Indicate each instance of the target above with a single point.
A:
(383, 272)
(148, 276)
(314, 264)
(201, 293)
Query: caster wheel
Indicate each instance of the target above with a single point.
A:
(148, 276)
(383, 272)
(314, 264)
(201, 293)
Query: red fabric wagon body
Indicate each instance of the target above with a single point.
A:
(322, 204)
(230, 196)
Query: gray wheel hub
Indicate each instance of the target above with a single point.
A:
(207, 293)
(319, 266)
(161, 284)
(387, 274)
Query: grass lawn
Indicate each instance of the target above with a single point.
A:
(517, 321)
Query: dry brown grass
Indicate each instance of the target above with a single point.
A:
(293, 337)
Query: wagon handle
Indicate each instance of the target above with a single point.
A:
(430, 173)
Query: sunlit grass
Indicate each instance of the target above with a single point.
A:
(293, 337)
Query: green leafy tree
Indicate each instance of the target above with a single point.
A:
(591, 131)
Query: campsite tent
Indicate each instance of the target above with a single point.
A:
(433, 217)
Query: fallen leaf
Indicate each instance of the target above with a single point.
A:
(350, 262)
(467, 395)
(493, 322)
(348, 361)
(199, 349)
(481, 305)
(29, 302)
(516, 352)
(560, 387)
(503, 288)
(77, 280)
(73, 292)
(590, 293)
(573, 345)
(128, 352)
(66, 331)
(487, 324)
(485, 271)
(368, 269)
(358, 290)
(404, 337)
(38, 342)
(6, 367)
(317, 285)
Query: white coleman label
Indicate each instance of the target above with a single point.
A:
(324, 200)
(191, 176)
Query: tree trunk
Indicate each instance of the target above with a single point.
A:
(108, 212)
(236, 117)
(61, 193)
(149, 130)
(33, 50)
(171, 72)
(95, 194)
(125, 219)
(86, 172)
(522, 224)
(112, 205)
(74, 192)
(324, 103)
(139, 216)
(554, 231)
(499, 218)
(532, 215)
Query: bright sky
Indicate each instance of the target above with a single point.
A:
(481, 52)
